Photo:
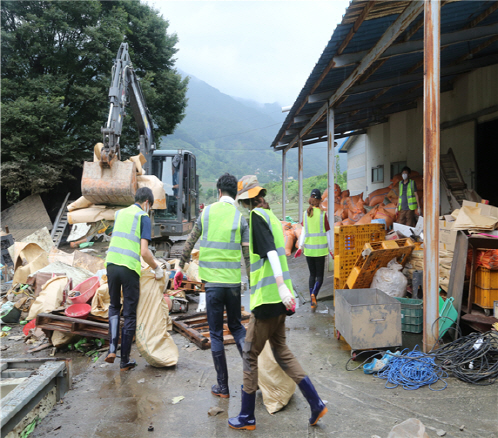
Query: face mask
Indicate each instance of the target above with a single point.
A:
(147, 209)
(405, 176)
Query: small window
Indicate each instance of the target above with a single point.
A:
(397, 167)
(378, 174)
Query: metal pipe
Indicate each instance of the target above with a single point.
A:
(330, 177)
(300, 178)
(432, 48)
(284, 184)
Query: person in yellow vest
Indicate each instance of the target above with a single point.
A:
(223, 233)
(130, 240)
(315, 239)
(408, 200)
(271, 301)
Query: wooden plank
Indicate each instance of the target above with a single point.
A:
(457, 273)
(50, 316)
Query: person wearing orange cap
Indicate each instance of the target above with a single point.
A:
(271, 301)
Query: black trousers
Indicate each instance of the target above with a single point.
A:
(316, 265)
(117, 277)
(217, 299)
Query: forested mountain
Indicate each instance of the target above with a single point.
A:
(233, 135)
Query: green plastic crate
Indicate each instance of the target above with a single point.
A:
(412, 315)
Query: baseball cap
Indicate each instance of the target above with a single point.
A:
(315, 193)
(248, 187)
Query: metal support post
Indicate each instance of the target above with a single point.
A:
(432, 47)
(300, 180)
(331, 177)
(284, 184)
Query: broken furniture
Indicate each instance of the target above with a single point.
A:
(30, 389)
(474, 316)
(196, 328)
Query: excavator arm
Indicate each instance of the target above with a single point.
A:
(111, 181)
(125, 90)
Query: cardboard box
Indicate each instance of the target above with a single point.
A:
(486, 210)
(447, 236)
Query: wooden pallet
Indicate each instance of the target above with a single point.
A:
(196, 328)
(378, 255)
(76, 326)
(192, 286)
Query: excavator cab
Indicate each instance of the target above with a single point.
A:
(177, 171)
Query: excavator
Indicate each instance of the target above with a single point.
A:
(110, 181)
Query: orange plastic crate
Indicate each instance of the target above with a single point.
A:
(486, 287)
(349, 241)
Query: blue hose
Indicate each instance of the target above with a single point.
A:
(412, 370)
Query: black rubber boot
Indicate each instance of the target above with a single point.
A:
(245, 420)
(220, 365)
(318, 408)
(126, 340)
(114, 334)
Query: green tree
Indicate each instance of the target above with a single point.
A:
(56, 68)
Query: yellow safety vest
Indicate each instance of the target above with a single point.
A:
(124, 248)
(410, 195)
(220, 252)
(315, 239)
(264, 288)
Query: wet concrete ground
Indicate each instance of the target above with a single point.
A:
(107, 403)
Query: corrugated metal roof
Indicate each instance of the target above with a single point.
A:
(392, 84)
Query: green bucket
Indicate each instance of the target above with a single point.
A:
(447, 315)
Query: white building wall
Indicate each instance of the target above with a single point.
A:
(356, 165)
(401, 138)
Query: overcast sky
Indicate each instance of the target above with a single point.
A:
(259, 50)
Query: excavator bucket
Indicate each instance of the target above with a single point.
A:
(115, 185)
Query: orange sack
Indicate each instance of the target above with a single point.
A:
(345, 194)
(337, 191)
(488, 259)
(298, 229)
(382, 213)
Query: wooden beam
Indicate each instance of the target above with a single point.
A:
(484, 15)
(469, 117)
(359, 20)
(411, 12)
(405, 48)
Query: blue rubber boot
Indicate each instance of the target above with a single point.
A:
(245, 420)
(318, 408)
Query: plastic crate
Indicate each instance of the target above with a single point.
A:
(486, 287)
(412, 315)
(349, 241)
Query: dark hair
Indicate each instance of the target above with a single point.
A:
(313, 203)
(144, 194)
(256, 202)
(227, 184)
(407, 169)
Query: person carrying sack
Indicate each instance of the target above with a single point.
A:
(130, 240)
(408, 200)
(315, 239)
(224, 233)
(271, 301)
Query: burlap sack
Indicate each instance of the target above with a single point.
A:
(101, 301)
(60, 338)
(276, 386)
(154, 342)
(51, 297)
(157, 187)
(81, 202)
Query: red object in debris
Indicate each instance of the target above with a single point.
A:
(87, 290)
(168, 302)
(80, 311)
(30, 325)
(177, 283)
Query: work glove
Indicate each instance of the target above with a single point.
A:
(286, 297)
(419, 211)
(331, 254)
(177, 282)
(159, 273)
(298, 253)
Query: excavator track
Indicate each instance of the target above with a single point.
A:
(177, 249)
